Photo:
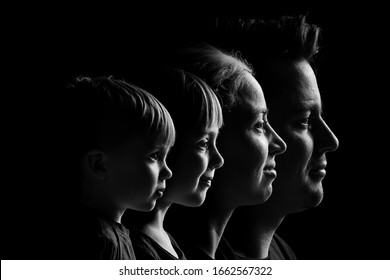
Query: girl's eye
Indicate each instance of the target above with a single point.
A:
(204, 144)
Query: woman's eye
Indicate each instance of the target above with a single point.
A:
(260, 126)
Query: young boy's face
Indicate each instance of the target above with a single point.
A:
(136, 174)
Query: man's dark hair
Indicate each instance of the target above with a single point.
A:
(270, 44)
(288, 38)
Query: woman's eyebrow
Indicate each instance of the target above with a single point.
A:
(255, 113)
(309, 107)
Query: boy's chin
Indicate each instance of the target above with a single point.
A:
(146, 207)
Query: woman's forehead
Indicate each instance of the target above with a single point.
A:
(251, 97)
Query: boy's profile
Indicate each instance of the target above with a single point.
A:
(119, 137)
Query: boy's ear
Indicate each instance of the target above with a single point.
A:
(95, 164)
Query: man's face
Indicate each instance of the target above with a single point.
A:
(296, 114)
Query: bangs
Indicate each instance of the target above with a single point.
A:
(210, 112)
(200, 108)
(192, 104)
(161, 128)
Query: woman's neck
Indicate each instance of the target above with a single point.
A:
(210, 228)
(254, 237)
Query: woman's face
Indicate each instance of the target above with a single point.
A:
(249, 146)
(193, 160)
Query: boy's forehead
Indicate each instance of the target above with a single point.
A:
(140, 144)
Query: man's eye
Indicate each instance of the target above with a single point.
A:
(306, 122)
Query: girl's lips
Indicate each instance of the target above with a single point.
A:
(160, 191)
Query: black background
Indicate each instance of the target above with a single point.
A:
(44, 49)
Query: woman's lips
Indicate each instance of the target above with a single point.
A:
(270, 172)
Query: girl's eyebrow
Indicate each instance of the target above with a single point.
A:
(161, 146)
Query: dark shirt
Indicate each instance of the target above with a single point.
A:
(92, 236)
(195, 253)
(279, 250)
(146, 248)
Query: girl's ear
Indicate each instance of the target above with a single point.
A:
(95, 164)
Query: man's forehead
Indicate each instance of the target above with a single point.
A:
(294, 105)
(297, 90)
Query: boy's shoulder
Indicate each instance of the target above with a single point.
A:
(101, 237)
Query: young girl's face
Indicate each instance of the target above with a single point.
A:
(136, 174)
(194, 160)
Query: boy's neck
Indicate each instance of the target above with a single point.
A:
(104, 209)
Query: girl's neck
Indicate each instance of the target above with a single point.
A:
(154, 228)
(155, 222)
